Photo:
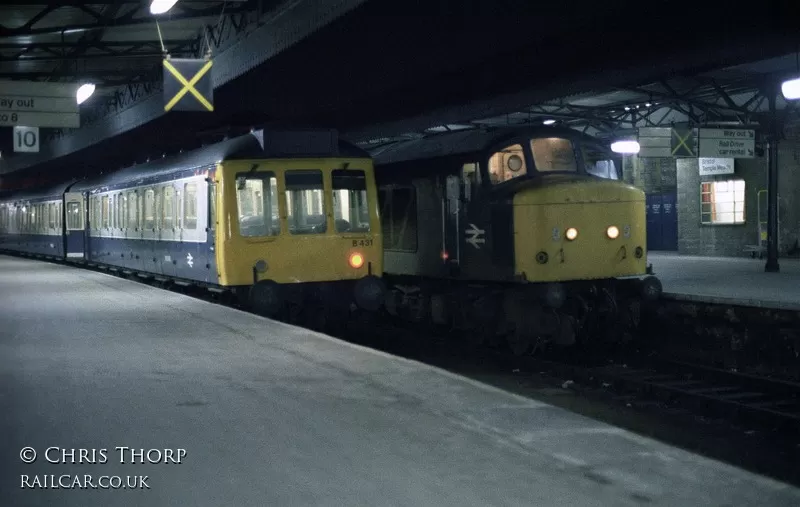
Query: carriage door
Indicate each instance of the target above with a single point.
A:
(74, 225)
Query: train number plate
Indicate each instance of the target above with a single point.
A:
(362, 242)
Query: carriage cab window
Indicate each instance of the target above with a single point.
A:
(507, 164)
(304, 202)
(554, 154)
(350, 207)
(257, 202)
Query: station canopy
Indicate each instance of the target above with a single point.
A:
(735, 96)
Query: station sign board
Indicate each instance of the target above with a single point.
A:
(655, 142)
(727, 143)
(667, 142)
(714, 166)
(35, 104)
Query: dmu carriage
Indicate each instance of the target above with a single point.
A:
(279, 218)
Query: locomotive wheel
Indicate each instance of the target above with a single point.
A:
(265, 298)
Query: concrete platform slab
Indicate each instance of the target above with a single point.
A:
(270, 414)
(728, 280)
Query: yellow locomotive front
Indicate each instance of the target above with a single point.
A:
(578, 241)
(571, 228)
(293, 232)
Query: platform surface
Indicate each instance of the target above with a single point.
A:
(272, 415)
(728, 280)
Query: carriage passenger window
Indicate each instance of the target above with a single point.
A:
(74, 219)
(304, 202)
(149, 211)
(97, 213)
(58, 215)
(257, 202)
(105, 210)
(51, 215)
(115, 216)
(157, 208)
(190, 206)
(350, 206)
(168, 209)
(553, 154)
(507, 164)
(133, 211)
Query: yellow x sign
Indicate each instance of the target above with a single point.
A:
(188, 86)
(682, 142)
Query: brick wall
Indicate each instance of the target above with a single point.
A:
(653, 175)
(720, 239)
(656, 175)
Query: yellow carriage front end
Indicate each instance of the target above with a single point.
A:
(298, 231)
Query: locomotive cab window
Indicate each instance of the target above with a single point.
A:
(598, 163)
(469, 179)
(553, 154)
(304, 202)
(257, 201)
(722, 202)
(350, 207)
(507, 164)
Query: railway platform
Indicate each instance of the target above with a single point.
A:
(262, 413)
(728, 280)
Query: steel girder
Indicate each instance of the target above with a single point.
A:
(271, 34)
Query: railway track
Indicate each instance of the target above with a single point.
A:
(769, 403)
(755, 401)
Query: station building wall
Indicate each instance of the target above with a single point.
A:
(660, 176)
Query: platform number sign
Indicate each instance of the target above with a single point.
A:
(26, 139)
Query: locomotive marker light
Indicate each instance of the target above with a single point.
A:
(612, 232)
(549, 122)
(625, 147)
(572, 233)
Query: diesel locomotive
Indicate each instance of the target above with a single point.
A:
(279, 219)
(523, 234)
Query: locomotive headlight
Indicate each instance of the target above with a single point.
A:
(356, 260)
(612, 232)
(261, 266)
(572, 233)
